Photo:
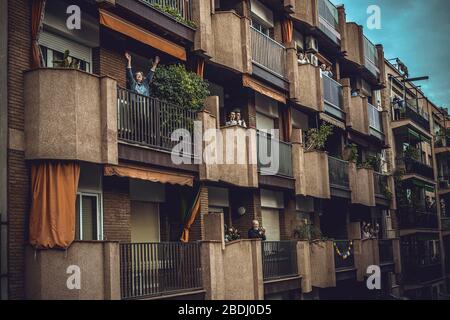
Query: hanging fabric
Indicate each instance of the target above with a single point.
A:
(287, 30)
(286, 118)
(37, 18)
(200, 66)
(54, 188)
(191, 215)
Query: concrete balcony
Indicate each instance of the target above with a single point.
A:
(318, 15)
(230, 152)
(306, 86)
(362, 185)
(224, 36)
(70, 115)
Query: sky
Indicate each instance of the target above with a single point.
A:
(417, 32)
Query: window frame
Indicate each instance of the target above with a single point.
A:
(99, 215)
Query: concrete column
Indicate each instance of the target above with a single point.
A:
(304, 265)
(257, 270)
(111, 252)
(212, 270)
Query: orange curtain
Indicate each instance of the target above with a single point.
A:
(192, 215)
(286, 118)
(37, 17)
(200, 66)
(52, 217)
(287, 28)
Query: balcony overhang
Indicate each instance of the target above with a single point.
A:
(153, 19)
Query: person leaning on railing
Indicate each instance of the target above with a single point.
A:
(137, 82)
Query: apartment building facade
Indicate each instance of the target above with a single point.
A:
(88, 160)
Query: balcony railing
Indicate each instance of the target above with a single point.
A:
(150, 122)
(343, 259)
(267, 53)
(329, 20)
(412, 112)
(284, 155)
(279, 259)
(380, 183)
(371, 57)
(376, 126)
(417, 217)
(413, 166)
(338, 171)
(332, 95)
(173, 7)
(151, 269)
(386, 251)
(413, 273)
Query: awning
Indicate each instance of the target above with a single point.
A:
(263, 89)
(332, 121)
(149, 175)
(133, 31)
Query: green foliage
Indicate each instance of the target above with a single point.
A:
(387, 193)
(372, 162)
(175, 13)
(174, 84)
(352, 152)
(308, 232)
(316, 138)
(411, 153)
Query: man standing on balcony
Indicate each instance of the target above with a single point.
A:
(256, 232)
(137, 82)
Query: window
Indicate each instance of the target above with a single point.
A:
(261, 28)
(53, 47)
(88, 217)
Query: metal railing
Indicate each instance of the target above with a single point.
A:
(413, 273)
(172, 7)
(150, 269)
(268, 53)
(375, 123)
(329, 22)
(150, 122)
(333, 97)
(417, 217)
(338, 172)
(284, 155)
(371, 57)
(413, 166)
(380, 183)
(386, 250)
(343, 261)
(279, 259)
(409, 111)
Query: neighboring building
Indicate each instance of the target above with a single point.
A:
(133, 203)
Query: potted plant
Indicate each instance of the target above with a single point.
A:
(316, 138)
(351, 152)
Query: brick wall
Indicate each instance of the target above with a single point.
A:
(18, 178)
(250, 200)
(110, 62)
(116, 209)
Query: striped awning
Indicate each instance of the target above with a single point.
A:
(149, 175)
(263, 89)
(333, 121)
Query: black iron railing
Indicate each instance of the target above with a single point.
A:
(413, 166)
(417, 217)
(150, 269)
(279, 259)
(413, 273)
(338, 171)
(380, 184)
(386, 250)
(150, 122)
(445, 223)
(284, 156)
(409, 111)
(175, 8)
(343, 254)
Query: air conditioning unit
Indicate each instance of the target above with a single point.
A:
(312, 45)
(313, 59)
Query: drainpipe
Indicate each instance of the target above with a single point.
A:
(3, 150)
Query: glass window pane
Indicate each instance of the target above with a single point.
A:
(77, 218)
(89, 217)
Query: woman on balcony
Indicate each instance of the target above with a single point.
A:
(137, 82)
